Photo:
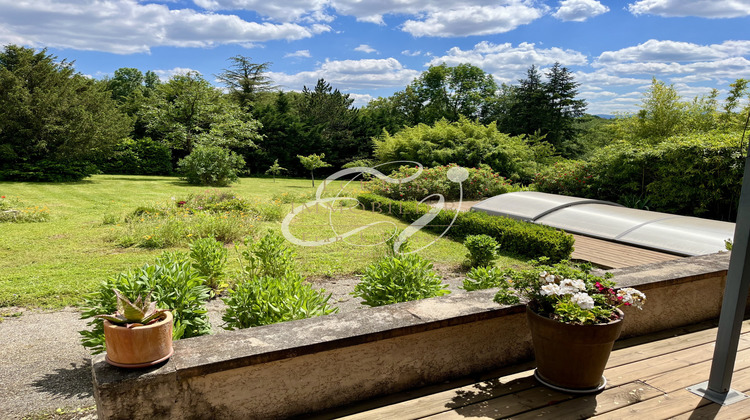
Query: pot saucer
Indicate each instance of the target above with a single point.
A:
(598, 388)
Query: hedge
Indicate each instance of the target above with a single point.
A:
(516, 237)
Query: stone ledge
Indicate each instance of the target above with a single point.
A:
(305, 366)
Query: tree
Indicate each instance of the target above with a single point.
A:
(187, 111)
(446, 92)
(661, 109)
(245, 80)
(561, 92)
(275, 170)
(313, 162)
(53, 121)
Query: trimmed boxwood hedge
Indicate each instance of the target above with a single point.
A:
(516, 237)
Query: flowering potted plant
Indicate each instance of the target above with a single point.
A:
(574, 319)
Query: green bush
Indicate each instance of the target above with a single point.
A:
(483, 249)
(482, 182)
(466, 143)
(402, 278)
(48, 171)
(260, 301)
(209, 259)
(519, 238)
(173, 284)
(269, 289)
(696, 174)
(14, 210)
(210, 165)
(138, 157)
(479, 278)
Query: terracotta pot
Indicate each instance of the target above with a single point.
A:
(572, 357)
(140, 346)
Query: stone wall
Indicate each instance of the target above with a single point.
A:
(306, 366)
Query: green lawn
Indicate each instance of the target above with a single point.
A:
(53, 264)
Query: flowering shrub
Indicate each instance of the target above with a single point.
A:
(482, 182)
(568, 293)
(14, 210)
(567, 178)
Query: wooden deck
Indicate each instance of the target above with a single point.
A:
(608, 254)
(647, 377)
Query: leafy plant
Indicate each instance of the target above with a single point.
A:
(209, 259)
(567, 293)
(401, 278)
(268, 257)
(132, 314)
(267, 300)
(269, 289)
(484, 277)
(483, 249)
(210, 165)
(390, 244)
(173, 284)
(16, 211)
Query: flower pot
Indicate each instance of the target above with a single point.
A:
(140, 346)
(571, 357)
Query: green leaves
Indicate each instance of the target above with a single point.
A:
(401, 278)
(483, 249)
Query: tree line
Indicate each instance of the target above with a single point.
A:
(59, 125)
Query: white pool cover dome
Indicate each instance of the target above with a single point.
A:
(681, 235)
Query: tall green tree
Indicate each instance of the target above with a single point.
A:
(245, 80)
(446, 92)
(187, 110)
(53, 121)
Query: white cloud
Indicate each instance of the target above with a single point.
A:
(366, 49)
(674, 51)
(699, 8)
(348, 75)
(579, 10)
(508, 63)
(360, 99)
(473, 20)
(280, 10)
(165, 75)
(299, 53)
(410, 53)
(126, 26)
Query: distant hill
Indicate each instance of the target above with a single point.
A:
(606, 116)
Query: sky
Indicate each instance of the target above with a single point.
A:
(372, 48)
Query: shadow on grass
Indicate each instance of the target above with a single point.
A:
(73, 382)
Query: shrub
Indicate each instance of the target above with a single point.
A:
(482, 182)
(402, 278)
(466, 143)
(138, 157)
(209, 259)
(266, 300)
(483, 249)
(519, 238)
(173, 284)
(270, 290)
(479, 278)
(210, 165)
(568, 177)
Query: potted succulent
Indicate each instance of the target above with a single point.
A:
(574, 319)
(138, 334)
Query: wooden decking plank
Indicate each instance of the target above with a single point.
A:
(614, 255)
(447, 400)
(738, 410)
(676, 403)
(586, 406)
(506, 406)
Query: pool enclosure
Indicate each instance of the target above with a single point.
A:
(682, 235)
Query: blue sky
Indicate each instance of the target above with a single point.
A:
(374, 48)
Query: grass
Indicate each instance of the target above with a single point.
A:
(53, 264)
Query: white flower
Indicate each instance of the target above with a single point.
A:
(569, 287)
(547, 277)
(550, 289)
(630, 296)
(583, 300)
